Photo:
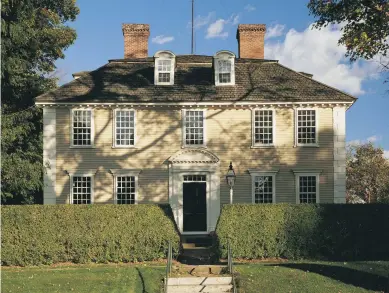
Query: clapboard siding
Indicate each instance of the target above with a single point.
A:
(228, 136)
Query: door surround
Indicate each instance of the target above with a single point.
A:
(194, 162)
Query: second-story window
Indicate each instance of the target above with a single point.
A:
(82, 131)
(306, 127)
(263, 127)
(124, 128)
(194, 128)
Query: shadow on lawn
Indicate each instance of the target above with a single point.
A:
(350, 276)
(142, 280)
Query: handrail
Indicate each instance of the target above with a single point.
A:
(230, 265)
(169, 264)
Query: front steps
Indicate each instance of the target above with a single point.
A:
(199, 284)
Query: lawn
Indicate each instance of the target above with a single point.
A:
(83, 278)
(323, 277)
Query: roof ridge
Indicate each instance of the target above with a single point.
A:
(314, 80)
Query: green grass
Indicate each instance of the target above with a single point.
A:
(322, 277)
(83, 278)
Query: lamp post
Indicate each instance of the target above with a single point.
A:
(230, 177)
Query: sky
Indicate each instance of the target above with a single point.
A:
(289, 39)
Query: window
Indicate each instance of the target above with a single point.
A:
(307, 189)
(224, 62)
(124, 128)
(263, 186)
(194, 128)
(125, 189)
(82, 135)
(81, 192)
(195, 178)
(263, 133)
(306, 127)
(164, 68)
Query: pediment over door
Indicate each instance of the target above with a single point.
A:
(194, 156)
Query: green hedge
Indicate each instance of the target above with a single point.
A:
(37, 234)
(328, 231)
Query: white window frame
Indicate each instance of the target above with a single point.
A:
(72, 145)
(296, 143)
(299, 174)
(261, 145)
(82, 175)
(224, 55)
(164, 56)
(114, 144)
(184, 144)
(255, 173)
(125, 172)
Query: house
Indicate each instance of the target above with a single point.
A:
(164, 129)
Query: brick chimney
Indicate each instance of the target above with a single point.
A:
(251, 40)
(136, 37)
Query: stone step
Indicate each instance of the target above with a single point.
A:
(204, 281)
(199, 288)
(199, 270)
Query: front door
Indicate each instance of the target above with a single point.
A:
(195, 206)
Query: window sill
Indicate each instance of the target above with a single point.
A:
(262, 146)
(193, 146)
(82, 147)
(315, 145)
(124, 147)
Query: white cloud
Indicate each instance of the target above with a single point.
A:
(386, 154)
(354, 142)
(161, 39)
(372, 139)
(275, 31)
(234, 19)
(249, 8)
(317, 52)
(200, 21)
(215, 29)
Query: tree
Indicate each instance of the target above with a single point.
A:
(367, 173)
(34, 35)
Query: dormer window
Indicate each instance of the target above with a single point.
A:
(224, 63)
(164, 68)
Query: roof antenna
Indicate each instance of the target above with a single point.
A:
(192, 28)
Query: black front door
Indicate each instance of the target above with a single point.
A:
(195, 206)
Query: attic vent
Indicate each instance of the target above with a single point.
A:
(306, 74)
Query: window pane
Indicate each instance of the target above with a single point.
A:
(306, 126)
(307, 189)
(194, 128)
(224, 69)
(263, 189)
(82, 190)
(125, 128)
(82, 127)
(125, 189)
(263, 127)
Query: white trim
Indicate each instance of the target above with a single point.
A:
(260, 145)
(227, 56)
(158, 56)
(201, 103)
(339, 126)
(92, 182)
(299, 174)
(254, 173)
(114, 145)
(183, 114)
(92, 145)
(317, 128)
(49, 155)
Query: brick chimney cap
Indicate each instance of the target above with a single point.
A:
(252, 27)
(129, 28)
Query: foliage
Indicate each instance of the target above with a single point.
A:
(366, 30)
(48, 234)
(333, 231)
(34, 36)
(367, 173)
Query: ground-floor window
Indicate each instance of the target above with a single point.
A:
(263, 186)
(125, 189)
(81, 189)
(307, 187)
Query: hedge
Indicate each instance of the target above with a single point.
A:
(38, 234)
(328, 231)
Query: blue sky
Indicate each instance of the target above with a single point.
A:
(289, 39)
